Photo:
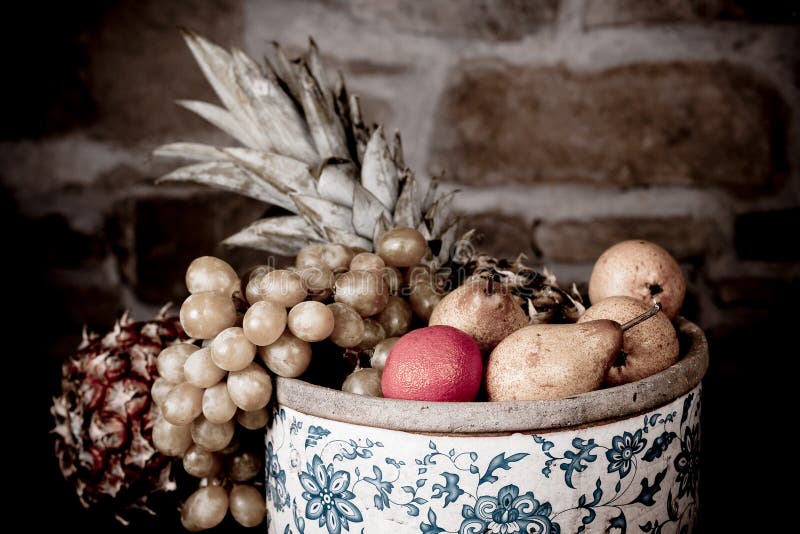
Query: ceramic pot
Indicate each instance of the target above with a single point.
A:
(624, 458)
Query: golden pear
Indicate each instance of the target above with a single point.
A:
(646, 348)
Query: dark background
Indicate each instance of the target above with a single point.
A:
(569, 125)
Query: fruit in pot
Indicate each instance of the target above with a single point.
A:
(482, 309)
(264, 322)
(311, 321)
(646, 349)
(205, 508)
(402, 247)
(395, 318)
(436, 363)
(247, 505)
(348, 326)
(364, 291)
(553, 361)
(641, 270)
(364, 382)
(206, 314)
(208, 273)
(381, 352)
(288, 356)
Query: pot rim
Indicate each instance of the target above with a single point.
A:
(505, 416)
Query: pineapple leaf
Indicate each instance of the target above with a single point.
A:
(348, 239)
(448, 240)
(361, 132)
(285, 174)
(378, 171)
(286, 70)
(438, 216)
(230, 177)
(276, 114)
(407, 211)
(326, 130)
(431, 194)
(222, 119)
(189, 151)
(217, 66)
(317, 70)
(382, 225)
(336, 182)
(366, 211)
(323, 213)
(282, 235)
(397, 152)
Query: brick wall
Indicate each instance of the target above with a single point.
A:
(567, 124)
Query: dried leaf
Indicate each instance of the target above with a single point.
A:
(286, 174)
(230, 177)
(439, 215)
(324, 213)
(274, 111)
(189, 151)
(317, 70)
(366, 210)
(284, 235)
(448, 238)
(222, 119)
(326, 130)
(407, 212)
(217, 66)
(431, 194)
(378, 171)
(336, 182)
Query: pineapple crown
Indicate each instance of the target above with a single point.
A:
(305, 148)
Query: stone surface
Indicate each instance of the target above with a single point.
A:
(623, 12)
(768, 235)
(483, 19)
(701, 124)
(501, 236)
(140, 65)
(573, 240)
(155, 238)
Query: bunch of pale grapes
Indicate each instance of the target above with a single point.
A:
(336, 307)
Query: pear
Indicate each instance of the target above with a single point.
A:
(483, 309)
(642, 270)
(553, 361)
(647, 349)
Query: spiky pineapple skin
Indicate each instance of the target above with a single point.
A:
(104, 416)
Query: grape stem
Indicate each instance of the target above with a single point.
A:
(643, 317)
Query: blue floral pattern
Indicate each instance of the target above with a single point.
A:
(643, 469)
(507, 513)
(623, 449)
(328, 496)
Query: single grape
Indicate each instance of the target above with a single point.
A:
(402, 247)
(395, 317)
(365, 291)
(250, 388)
(317, 280)
(253, 420)
(288, 356)
(243, 465)
(381, 352)
(204, 315)
(232, 350)
(200, 369)
(171, 360)
(208, 273)
(211, 436)
(248, 506)
(367, 261)
(217, 404)
(201, 463)
(160, 390)
(281, 286)
(348, 326)
(336, 257)
(373, 334)
(251, 281)
(418, 274)
(364, 382)
(310, 321)
(182, 404)
(309, 256)
(204, 509)
(423, 300)
(232, 447)
(169, 439)
(264, 322)
(393, 279)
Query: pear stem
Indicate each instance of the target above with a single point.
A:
(643, 317)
